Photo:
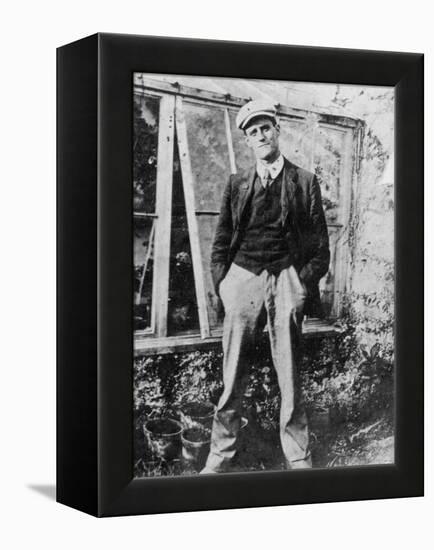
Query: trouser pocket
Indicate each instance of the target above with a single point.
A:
(235, 278)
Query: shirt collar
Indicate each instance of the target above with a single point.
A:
(274, 168)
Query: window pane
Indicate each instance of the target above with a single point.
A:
(329, 149)
(207, 225)
(328, 166)
(182, 308)
(296, 142)
(143, 269)
(244, 158)
(209, 153)
(145, 151)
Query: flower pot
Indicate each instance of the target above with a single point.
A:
(195, 445)
(197, 414)
(164, 437)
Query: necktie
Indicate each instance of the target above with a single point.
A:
(266, 180)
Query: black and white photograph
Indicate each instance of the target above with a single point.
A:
(216, 292)
(264, 281)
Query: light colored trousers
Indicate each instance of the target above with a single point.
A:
(246, 298)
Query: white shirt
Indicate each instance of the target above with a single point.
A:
(274, 169)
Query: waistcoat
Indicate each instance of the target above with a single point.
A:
(264, 245)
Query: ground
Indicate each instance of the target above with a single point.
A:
(333, 444)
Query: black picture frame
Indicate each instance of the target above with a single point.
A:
(95, 274)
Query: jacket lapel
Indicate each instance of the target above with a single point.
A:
(289, 189)
(246, 188)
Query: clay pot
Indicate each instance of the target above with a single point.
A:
(164, 437)
(195, 445)
(197, 414)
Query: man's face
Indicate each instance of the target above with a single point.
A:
(263, 137)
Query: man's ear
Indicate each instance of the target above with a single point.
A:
(277, 126)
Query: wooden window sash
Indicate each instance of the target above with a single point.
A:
(344, 217)
(142, 82)
(171, 113)
(193, 230)
(160, 286)
(150, 250)
(152, 329)
(230, 142)
(312, 328)
(352, 148)
(313, 148)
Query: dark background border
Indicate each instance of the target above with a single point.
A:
(119, 56)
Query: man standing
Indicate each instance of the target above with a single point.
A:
(270, 250)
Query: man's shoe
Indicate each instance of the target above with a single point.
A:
(207, 470)
(299, 464)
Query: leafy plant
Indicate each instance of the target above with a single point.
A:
(197, 377)
(348, 379)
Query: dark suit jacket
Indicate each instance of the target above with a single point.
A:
(302, 218)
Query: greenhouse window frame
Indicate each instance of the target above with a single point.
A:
(173, 133)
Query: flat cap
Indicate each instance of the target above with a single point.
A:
(255, 108)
